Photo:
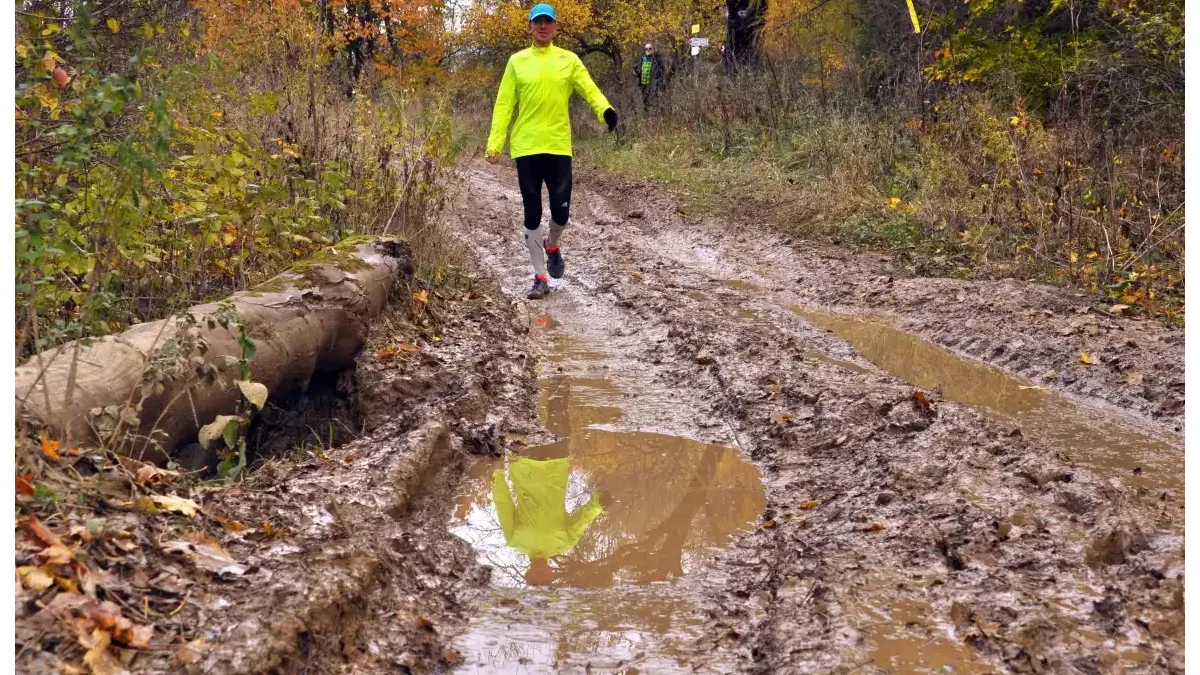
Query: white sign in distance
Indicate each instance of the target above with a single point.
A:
(698, 42)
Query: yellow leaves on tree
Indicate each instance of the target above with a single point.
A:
(615, 29)
(819, 30)
(396, 33)
(248, 32)
(403, 39)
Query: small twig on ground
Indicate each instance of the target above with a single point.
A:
(334, 508)
(735, 436)
(183, 603)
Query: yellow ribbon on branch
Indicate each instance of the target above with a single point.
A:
(912, 13)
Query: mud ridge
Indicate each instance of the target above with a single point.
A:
(329, 583)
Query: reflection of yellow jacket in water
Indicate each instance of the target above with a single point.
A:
(538, 524)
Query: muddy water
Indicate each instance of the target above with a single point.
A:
(1088, 436)
(905, 637)
(591, 537)
(738, 285)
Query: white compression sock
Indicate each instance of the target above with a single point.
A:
(537, 254)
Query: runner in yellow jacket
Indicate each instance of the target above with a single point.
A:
(533, 514)
(539, 80)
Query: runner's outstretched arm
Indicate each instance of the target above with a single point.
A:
(578, 522)
(581, 82)
(506, 98)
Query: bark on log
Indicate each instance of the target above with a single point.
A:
(309, 320)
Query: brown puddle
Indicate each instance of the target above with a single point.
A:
(738, 285)
(1088, 437)
(670, 499)
(579, 531)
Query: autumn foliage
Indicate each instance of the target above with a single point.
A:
(1042, 140)
(495, 28)
(168, 155)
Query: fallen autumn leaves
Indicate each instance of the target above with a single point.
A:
(68, 603)
(75, 552)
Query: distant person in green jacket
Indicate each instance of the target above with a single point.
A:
(651, 77)
(539, 80)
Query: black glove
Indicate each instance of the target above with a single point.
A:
(610, 118)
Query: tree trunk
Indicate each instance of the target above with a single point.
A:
(744, 22)
(152, 380)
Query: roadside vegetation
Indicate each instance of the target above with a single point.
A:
(170, 153)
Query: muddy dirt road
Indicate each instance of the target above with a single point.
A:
(751, 466)
(704, 452)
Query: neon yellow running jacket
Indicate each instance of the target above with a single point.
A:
(539, 81)
(538, 524)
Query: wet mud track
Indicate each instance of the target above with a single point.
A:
(743, 480)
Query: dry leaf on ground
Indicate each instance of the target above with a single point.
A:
(98, 658)
(25, 484)
(57, 554)
(391, 351)
(170, 503)
(40, 532)
(206, 555)
(148, 474)
(192, 652)
(35, 578)
(50, 446)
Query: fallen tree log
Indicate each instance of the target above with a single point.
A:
(150, 388)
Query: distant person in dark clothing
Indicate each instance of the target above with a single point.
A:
(651, 77)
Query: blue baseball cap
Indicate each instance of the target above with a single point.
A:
(542, 9)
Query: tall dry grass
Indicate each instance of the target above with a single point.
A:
(964, 186)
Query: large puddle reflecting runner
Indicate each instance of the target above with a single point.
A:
(601, 507)
(578, 531)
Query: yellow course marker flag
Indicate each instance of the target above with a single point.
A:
(912, 12)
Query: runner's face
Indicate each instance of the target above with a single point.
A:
(543, 28)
